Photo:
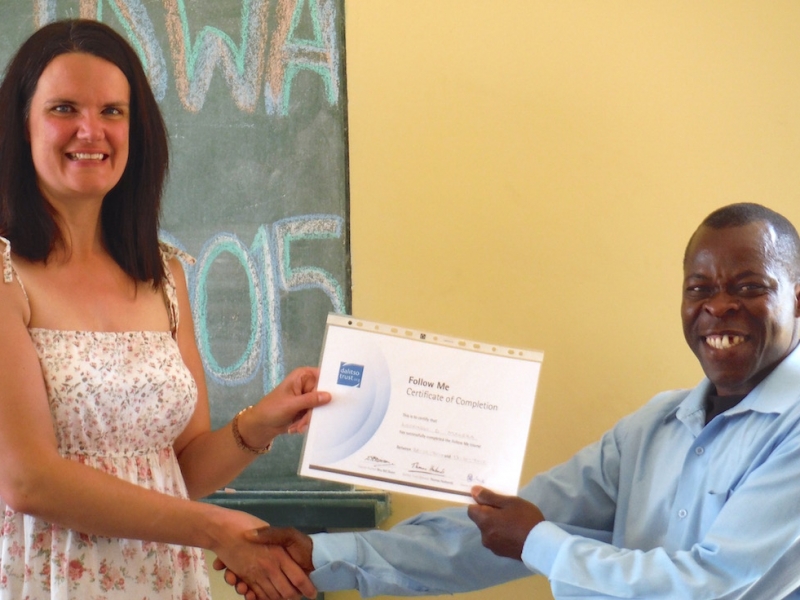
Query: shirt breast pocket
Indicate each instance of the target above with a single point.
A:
(712, 506)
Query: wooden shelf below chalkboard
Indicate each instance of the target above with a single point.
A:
(310, 511)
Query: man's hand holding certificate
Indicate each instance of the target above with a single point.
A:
(420, 413)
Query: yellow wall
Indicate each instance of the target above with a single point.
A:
(527, 173)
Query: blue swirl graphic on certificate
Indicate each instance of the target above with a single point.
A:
(362, 391)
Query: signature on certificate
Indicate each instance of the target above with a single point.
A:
(417, 467)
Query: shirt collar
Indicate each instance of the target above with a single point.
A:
(777, 393)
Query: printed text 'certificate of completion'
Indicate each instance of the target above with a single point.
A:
(420, 413)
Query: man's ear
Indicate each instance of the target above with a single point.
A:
(797, 300)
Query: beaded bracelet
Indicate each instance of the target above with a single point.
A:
(238, 436)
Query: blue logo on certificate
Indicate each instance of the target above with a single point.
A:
(350, 374)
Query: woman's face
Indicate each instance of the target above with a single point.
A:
(78, 128)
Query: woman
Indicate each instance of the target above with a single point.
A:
(105, 430)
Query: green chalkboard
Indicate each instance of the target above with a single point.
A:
(253, 93)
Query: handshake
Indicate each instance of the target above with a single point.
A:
(503, 523)
(287, 574)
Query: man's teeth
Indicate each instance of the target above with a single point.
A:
(722, 342)
(86, 156)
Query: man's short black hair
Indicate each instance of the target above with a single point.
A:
(744, 213)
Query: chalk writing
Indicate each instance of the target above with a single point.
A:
(273, 58)
(267, 267)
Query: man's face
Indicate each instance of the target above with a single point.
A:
(740, 306)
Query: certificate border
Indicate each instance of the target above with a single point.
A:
(431, 338)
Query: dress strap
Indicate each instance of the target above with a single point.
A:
(168, 251)
(8, 268)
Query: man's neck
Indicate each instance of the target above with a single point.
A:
(716, 405)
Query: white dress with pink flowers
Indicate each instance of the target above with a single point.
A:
(118, 401)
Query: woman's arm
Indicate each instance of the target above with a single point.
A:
(36, 480)
(209, 459)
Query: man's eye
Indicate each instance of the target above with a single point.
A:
(697, 287)
(698, 290)
(750, 288)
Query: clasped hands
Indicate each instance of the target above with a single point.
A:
(504, 523)
(288, 583)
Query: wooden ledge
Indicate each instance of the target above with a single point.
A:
(310, 511)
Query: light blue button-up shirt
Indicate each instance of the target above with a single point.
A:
(661, 507)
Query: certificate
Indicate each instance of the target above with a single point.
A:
(420, 413)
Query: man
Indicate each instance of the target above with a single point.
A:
(695, 495)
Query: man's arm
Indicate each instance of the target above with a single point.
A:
(432, 553)
(442, 552)
(429, 554)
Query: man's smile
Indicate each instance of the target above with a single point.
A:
(724, 341)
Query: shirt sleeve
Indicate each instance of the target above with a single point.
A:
(432, 553)
(748, 547)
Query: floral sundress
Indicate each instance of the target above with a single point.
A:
(118, 402)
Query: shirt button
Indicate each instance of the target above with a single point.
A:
(699, 450)
(682, 513)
